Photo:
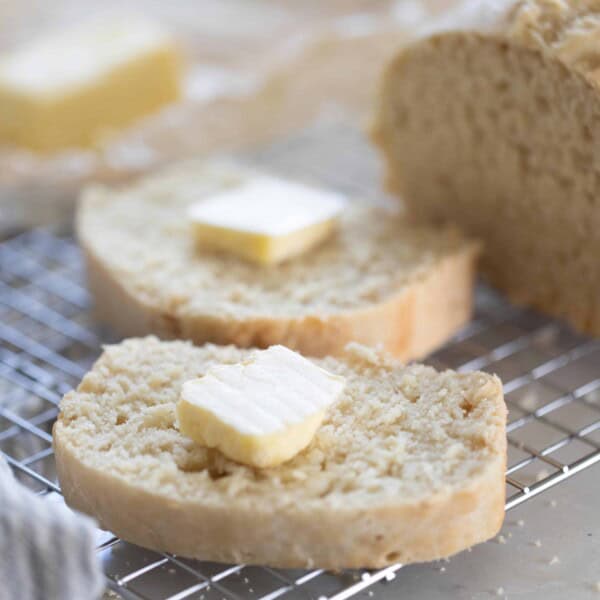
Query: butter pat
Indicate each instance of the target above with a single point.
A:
(266, 220)
(65, 89)
(260, 412)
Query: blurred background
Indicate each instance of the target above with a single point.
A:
(253, 70)
(256, 73)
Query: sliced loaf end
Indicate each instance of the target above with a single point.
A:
(497, 132)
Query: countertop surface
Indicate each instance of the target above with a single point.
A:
(550, 548)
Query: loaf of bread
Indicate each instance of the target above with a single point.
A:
(378, 280)
(492, 121)
(408, 464)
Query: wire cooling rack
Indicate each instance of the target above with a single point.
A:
(48, 340)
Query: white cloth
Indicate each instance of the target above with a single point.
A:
(47, 552)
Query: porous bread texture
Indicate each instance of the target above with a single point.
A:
(407, 466)
(496, 128)
(378, 280)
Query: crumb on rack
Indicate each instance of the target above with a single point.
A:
(500, 591)
(537, 543)
(509, 534)
(554, 560)
(594, 395)
(553, 503)
(542, 474)
(501, 539)
(521, 523)
(529, 401)
(442, 569)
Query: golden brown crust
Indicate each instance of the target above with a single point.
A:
(373, 538)
(409, 325)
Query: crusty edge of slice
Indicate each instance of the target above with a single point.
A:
(413, 322)
(299, 536)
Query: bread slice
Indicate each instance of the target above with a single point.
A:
(378, 281)
(407, 466)
(493, 122)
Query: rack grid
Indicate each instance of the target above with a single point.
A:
(48, 339)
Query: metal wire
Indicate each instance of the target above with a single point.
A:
(48, 340)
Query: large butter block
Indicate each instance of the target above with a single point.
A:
(67, 89)
(266, 220)
(261, 412)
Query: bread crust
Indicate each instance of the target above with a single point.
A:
(301, 537)
(410, 324)
(319, 531)
(552, 38)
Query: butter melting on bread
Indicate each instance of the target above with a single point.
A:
(260, 412)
